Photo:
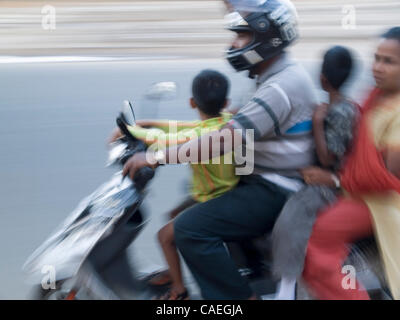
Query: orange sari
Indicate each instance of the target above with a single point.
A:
(366, 177)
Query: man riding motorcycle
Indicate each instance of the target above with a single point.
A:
(278, 117)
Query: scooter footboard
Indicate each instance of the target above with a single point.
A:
(119, 240)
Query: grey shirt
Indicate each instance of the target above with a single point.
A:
(280, 113)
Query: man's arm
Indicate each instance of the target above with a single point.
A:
(262, 116)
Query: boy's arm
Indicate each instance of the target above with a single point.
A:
(164, 125)
(158, 136)
(167, 125)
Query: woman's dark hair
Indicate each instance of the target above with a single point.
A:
(393, 33)
(337, 66)
(210, 89)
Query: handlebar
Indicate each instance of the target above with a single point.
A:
(144, 175)
(121, 123)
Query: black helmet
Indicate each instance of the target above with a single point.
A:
(273, 24)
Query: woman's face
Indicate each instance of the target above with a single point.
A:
(386, 68)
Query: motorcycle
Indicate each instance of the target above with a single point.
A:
(86, 257)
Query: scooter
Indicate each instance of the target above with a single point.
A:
(86, 257)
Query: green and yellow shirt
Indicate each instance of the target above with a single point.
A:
(209, 180)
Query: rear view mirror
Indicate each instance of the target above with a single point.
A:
(128, 115)
(162, 90)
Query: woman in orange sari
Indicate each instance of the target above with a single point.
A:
(371, 182)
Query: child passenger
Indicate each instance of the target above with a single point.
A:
(333, 126)
(209, 97)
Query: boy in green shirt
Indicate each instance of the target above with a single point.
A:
(209, 89)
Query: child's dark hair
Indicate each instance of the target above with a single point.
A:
(337, 66)
(210, 89)
(392, 33)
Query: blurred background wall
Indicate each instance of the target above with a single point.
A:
(176, 28)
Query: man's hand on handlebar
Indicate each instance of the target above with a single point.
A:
(138, 161)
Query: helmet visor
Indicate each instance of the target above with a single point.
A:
(235, 20)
